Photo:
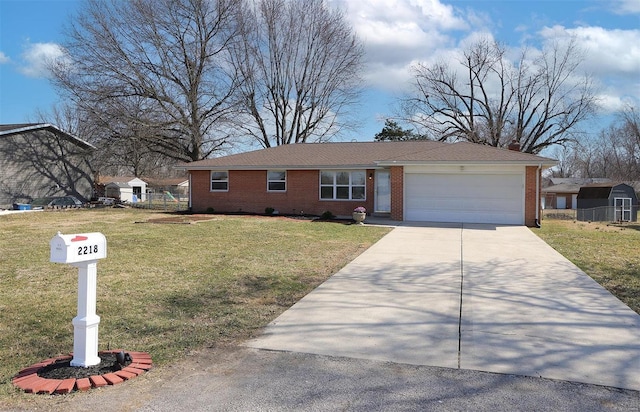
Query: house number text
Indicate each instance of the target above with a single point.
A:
(87, 250)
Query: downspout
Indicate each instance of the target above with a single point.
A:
(190, 205)
(538, 195)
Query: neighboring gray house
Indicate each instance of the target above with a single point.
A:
(41, 160)
(608, 202)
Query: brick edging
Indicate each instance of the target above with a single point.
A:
(29, 381)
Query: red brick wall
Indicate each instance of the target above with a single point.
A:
(530, 196)
(397, 192)
(248, 193)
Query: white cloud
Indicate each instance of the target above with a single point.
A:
(4, 58)
(37, 57)
(606, 51)
(397, 33)
(626, 6)
(612, 57)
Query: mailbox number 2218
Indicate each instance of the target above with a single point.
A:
(87, 250)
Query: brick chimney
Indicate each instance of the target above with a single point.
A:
(514, 145)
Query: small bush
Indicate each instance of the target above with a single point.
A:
(327, 215)
(210, 210)
(269, 210)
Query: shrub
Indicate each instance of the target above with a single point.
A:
(327, 215)
(269, 210)
(210, 210)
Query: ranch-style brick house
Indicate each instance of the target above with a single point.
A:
(410, 180)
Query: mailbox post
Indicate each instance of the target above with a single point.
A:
(83, 251)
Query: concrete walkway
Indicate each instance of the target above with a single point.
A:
(480, 297)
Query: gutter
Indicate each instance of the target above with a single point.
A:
(538, 171)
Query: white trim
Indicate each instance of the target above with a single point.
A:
(277, 181)
(335, 185)
(211, 181)
(623, 209)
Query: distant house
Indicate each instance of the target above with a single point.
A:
(41, 160)
(608, 202)
(124, 188)
(413, 181)
(563, 191)
(176, 186)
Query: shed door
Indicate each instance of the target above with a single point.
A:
(468, 198)
(622, 209)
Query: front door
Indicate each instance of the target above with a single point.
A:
(383, 192)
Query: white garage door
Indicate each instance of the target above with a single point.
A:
(467, 198)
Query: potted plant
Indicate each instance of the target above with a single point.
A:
(359, 214)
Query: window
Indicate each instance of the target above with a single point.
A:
(276, 181)
(342, 185)
(219, 181)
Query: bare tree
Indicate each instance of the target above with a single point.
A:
(121, 149)
(614, 152)
(488, 100)
(162, 66)
(300, 62)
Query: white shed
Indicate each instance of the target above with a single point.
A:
(125, 188)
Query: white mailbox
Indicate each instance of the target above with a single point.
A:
(78, 248)
(83, 251)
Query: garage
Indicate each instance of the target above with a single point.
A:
(467, 197)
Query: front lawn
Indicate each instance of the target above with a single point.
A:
(609, 253)
(164, 288)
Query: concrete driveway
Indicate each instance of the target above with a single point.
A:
(478, 297)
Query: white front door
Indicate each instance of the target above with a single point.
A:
(383, 192)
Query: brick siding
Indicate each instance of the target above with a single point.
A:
(248, 193)
(397, 193)
(530, 196)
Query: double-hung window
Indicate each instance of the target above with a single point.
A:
(276, 181)
(342, 185)
(219, 181)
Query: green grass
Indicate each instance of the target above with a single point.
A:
(609, 253)
(166, 289)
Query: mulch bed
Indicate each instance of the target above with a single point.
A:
(188, 219)
(57, 376)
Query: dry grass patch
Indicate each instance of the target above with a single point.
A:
(609, 253)
(166, 289)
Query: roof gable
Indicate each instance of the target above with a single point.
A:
(366, 154)
(25, 128)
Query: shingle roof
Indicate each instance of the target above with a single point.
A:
(599, 191)
(367, 154)
(563, 188)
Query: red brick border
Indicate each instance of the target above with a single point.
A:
(29, 381)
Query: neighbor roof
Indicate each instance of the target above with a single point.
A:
(599, 191)
(367, 154)
(13, 129)
(563, 188)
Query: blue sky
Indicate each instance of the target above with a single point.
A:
(396, 34)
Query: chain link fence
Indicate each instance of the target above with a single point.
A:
(167, 201)
(596, 214)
